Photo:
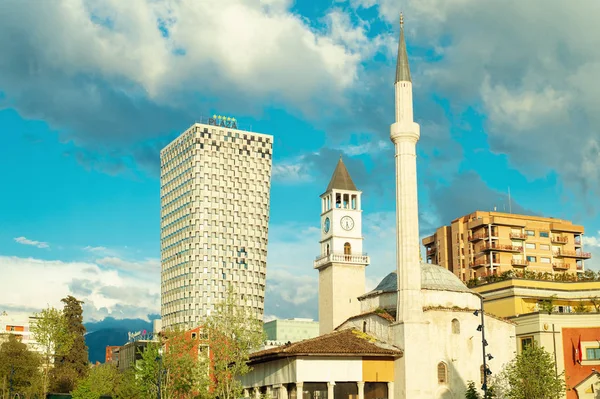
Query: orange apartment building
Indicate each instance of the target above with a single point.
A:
(484, 243)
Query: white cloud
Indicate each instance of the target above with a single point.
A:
(106, 292)
(95, 249)
(291, 171)
(25, 241)
(151, 266)
(370, 147)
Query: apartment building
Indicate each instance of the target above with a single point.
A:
(484, 243)
(215, 188)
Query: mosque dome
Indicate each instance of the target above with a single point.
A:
(433, 277)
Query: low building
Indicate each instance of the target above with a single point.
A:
(131, 353)
(347, 364)
(20, 326)
(486, 243)
(112, 354)
(562, 317)
(291, 330)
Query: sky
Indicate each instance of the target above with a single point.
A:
(506, 93)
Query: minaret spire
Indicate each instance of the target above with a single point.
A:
(402, 68)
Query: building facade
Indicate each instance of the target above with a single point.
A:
(342, 263)
(562, 317)
(215, 190)
(20, 326)
(291, 330)
(487, 243)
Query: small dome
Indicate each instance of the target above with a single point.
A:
(433, 277)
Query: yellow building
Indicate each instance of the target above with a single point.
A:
(514, 297)
(487, 243)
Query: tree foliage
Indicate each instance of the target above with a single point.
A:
(530, 375)
(19, 368)
(73, 364)
(472, 392)
(51, 332)
(102, 380)
(233, 333)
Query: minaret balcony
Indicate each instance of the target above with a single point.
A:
(356, 259)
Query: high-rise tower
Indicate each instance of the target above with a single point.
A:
(342, 263)
(215, 186)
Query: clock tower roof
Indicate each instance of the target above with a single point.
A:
(341, 179)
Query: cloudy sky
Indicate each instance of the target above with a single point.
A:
(506, 93)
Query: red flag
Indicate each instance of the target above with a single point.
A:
(579, 355)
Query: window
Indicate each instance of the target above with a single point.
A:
(592, 354)
(347, 249)
(530, 233)
(526, 342)
(544, 234)
(455, 326)
(530, 245)
(442, 371)
(544, 260)
(531, 259)
(545, 247)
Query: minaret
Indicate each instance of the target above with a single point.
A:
(404, 134)
(341, 264)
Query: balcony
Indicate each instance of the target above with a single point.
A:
(519, 263)
(560, 240)
(501, 247)
(431, 251)
(578, 241)
(477, 263)
(356, 259)
(478, 236)
(518, 236)
(579, 268)
(563, 253)
(561, 266)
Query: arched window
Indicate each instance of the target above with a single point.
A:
(442, 371)
(455, 326)
(364, 326)
(347, 249)
(327, 249)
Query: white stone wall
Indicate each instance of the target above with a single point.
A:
(375, 326)
(215, 188)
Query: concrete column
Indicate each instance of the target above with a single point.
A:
(246, 393)
(330, 386)
(299, 390)
(391, 390)
(283, 393)
(256, 392)
(269, 391)
(361, 389)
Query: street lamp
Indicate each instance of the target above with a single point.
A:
(484, 343)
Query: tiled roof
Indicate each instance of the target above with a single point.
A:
(379, 312)
(349, 342)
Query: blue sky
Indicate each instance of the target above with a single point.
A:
(90, 92)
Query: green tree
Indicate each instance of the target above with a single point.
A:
(73, 364)
(19, 368)
(472, 392)
(532, 375)
(129, 387)
(183, 370)
(581, 307)
(233, 333)
(51, 332)
(547, 305)
(102, 380)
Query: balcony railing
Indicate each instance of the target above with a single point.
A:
(479, 236)
(579, 267)
(560, 239)
(501, 247)
(520, 262)
(578, 242)
(477, 263)
(561, 266)
(431, 251)
(360, 259)
(518, 236)
(572, 254)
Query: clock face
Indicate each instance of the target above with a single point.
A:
(326, 225)
(347, 223)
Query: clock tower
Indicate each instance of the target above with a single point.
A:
(342, 263)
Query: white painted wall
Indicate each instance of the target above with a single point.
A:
(327, 369)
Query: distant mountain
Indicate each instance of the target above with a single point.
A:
(109, 332)
(97, 342)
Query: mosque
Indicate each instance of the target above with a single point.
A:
(416, 335)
